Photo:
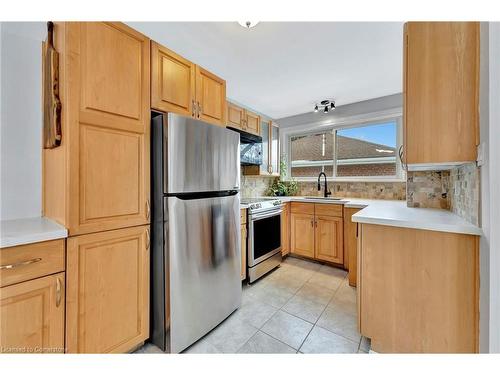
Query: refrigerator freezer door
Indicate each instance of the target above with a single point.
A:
(204, 265)
(200, 157)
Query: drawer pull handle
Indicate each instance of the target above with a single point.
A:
(193, 108)
(58, 292)
(148, 209)
(148, 239)
(15, 265)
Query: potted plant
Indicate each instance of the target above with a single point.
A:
(280, 187)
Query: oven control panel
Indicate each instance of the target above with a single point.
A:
(255, 206)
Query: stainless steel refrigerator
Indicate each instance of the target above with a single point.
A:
(195, 260)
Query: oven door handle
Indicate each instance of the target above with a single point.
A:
(266, 215)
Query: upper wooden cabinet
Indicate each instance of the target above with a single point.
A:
(173, 81)
(98, 179)
(180, 86)
(108, 291)
(210, 97)
(270, 167)
(242, 119)
(441, 80)
(32, 316)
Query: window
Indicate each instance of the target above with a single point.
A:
(361, 151)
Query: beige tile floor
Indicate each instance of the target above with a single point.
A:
(301, 307)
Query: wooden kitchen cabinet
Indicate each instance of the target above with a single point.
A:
(98, 179)
(302, 234)
(32, 316)
(173, 80)
(242, 119)
(317, 231)
(269, 131)
(244, 235)
(108, 291)
(329, 239)
(350, 244)
(180, 86)
(440, 98)
(285, 229)
(210, 97)
(418, 290)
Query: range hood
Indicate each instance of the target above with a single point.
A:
(247, 137)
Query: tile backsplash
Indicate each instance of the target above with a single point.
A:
(456, 190)
(252, 186)
(428, 189)
(369, 190)
(464, 186)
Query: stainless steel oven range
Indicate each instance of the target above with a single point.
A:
(264, 235)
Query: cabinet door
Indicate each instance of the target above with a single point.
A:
(441, 91)
(32, 316)
(302, 235)
(108, 112)
(285, 229)
(329, 234)
(265, 168)
(210, 97)
(108, 291)
(350, 244)
(274, 151)
(235, 116)
(243, 251)
(172, 81)
(252, 123)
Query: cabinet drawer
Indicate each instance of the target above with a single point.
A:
(329, 209)
(302, 208)
(26, 262)
(243, 216)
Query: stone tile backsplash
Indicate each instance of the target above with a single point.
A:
(369, 190)
(464, 186)
(428, 189)
(456, 190)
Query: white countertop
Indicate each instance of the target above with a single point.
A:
(395, 213)
(29, 230)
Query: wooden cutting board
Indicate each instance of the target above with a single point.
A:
(51, 104)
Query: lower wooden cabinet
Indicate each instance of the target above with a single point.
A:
(108, 291)
(316, 231)
(350, 244)
(285, 229)
(32, 316)
(329, 239)
(418, 290)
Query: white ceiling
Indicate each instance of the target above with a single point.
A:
(282, 68)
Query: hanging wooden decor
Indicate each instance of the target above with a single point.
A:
(51, 104)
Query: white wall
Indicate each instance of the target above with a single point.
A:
(494, 176)
(21, 119)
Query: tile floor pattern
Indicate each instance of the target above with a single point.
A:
(301, 307)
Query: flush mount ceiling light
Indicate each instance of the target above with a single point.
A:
(327, 106)
(248, 24)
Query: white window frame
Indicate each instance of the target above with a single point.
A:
(373, 118)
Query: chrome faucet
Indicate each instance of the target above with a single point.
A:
(327, 192)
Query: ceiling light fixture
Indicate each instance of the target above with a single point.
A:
(327, 105)
(248, 24)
